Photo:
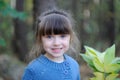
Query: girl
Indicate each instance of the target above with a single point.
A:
(54, 37)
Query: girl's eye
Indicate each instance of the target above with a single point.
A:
(62, 36)
(49, 36)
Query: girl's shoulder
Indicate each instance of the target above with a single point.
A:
(71, 60)
(34, 64)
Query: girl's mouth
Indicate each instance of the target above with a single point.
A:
(56, 50)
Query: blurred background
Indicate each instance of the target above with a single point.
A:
(97, 24)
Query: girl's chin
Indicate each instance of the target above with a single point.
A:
(56, 55)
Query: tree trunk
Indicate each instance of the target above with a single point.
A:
(108, 30)
(74, 8)
(19, 41)
(84, 23)
(110, 24)
(40, 6)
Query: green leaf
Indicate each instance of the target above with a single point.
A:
(109, 55)
(116, 60)
(111, 76)
(112, 68)
(2, 5)
(90, 51)
(8, 11)
(98, 76)
(100, 56)
(117, 79)
(94, 78)
(94, 53)
(106, 65)
(89, 61)
(98, 65)
(2, 42)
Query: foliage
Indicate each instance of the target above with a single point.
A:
(7, 14)
(104, 65)
(6, 10)
(2, 42)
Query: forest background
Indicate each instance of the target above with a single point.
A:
(97, 24)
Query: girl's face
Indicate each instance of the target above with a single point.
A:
(55, 46)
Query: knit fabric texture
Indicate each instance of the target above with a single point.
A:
(44, 69)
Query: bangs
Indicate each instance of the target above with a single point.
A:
(55, 24)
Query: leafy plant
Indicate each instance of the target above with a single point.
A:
(104, 64)
(2, 42)
(7, 13)
(6, 10)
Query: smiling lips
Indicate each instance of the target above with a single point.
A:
(56, 50)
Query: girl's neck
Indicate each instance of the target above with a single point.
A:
(55, 59)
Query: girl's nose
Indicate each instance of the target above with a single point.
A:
(56, 41)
